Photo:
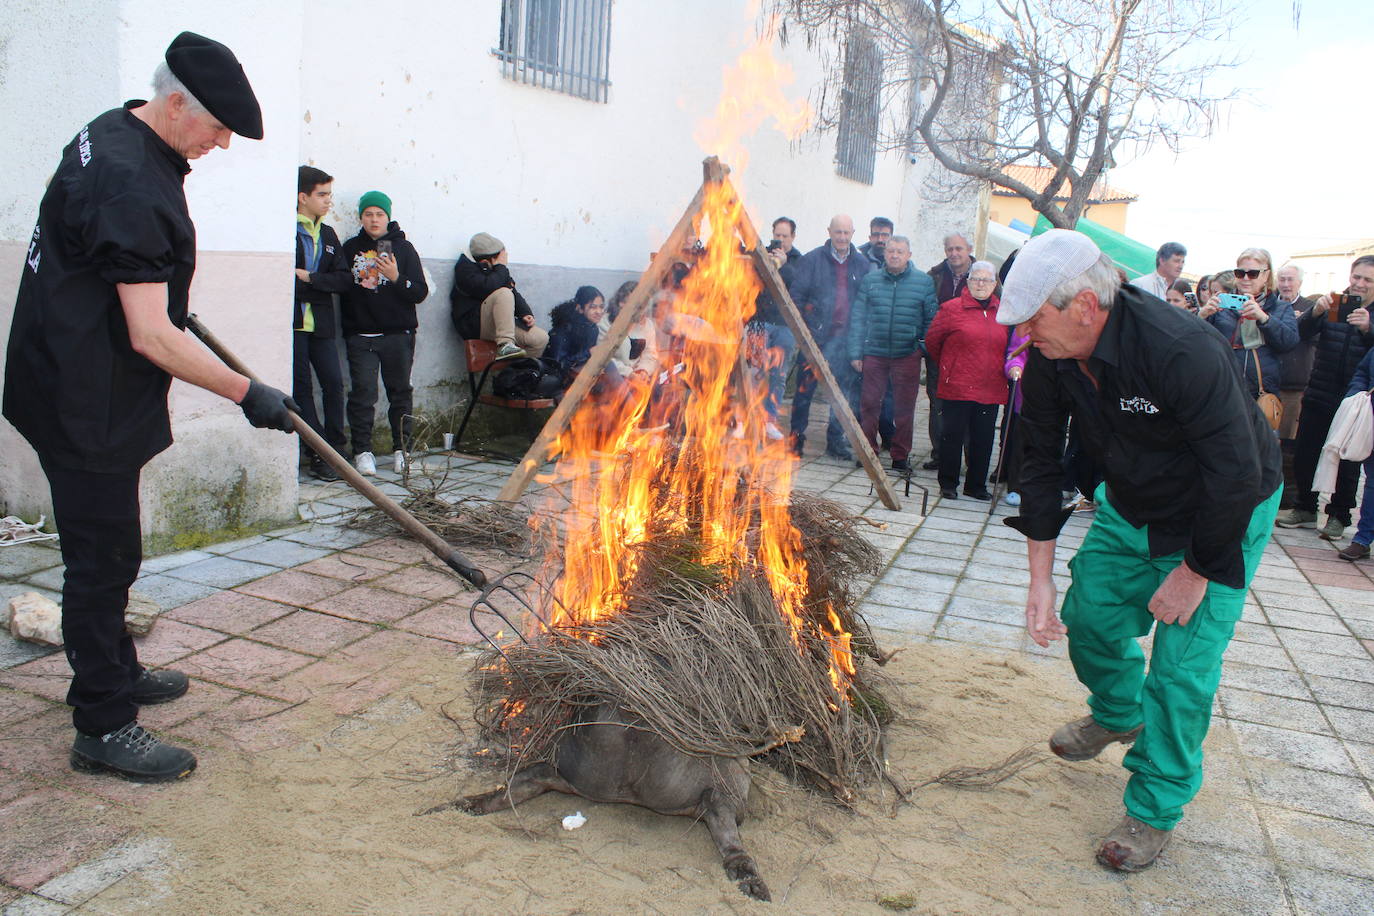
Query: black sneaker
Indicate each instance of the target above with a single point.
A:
(320, 470)
(161, 686)
(131, 752)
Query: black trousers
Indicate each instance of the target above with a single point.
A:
(1313, 425)
(972, 422)
(933, 424)
(97, 519)
(322, 354)
(393, 355)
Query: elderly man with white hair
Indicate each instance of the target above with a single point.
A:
(98, 336)
(1191, 491)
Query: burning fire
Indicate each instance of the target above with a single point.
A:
(683, 455)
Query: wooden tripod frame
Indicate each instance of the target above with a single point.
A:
(714, 174)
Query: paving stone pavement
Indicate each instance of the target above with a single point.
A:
(1284, 825)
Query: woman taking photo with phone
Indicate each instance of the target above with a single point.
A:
(1257, 324)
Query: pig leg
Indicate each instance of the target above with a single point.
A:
(722, 819)
(530, 782)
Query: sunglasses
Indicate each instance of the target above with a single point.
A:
(1252, 274)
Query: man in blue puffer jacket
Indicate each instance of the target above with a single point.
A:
(891, 313)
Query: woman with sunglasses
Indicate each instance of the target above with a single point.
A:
(1261, 327)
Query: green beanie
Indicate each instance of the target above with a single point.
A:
(375, 199)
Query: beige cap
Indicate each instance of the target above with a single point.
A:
(484, 245)
(1042, 264)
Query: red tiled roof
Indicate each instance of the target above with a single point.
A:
(1037, 176)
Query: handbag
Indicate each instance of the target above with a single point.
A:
(1269, 404)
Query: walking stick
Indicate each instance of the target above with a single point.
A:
(412, 526)
(1002, 448)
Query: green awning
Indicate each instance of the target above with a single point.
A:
(1131, 256)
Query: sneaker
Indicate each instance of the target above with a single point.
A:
(508, 351)
(1084, 739)
(366, 464)
(320, 470)
(772, 432)
(1013, 499)
(1299, 518)
(1354, 551)
(1133, 845)
(901, 465)
(1333, 530)
(163, 686)
(133, 753)
(398, 461)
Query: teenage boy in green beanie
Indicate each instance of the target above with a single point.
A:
(379, 325)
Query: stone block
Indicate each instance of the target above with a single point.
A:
(35, 619)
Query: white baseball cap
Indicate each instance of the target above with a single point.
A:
(1042, 264)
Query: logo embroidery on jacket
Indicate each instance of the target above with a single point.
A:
(1138, 405)
(83, 145)
(34, 254)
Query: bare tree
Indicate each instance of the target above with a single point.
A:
(1069, 85)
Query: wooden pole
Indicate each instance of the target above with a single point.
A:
(839, 403)
(636, 304)
(412, 526)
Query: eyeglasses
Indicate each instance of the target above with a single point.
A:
(1252, 274)
(982, 279)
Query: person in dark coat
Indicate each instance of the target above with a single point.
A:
(379, 324)
(823, 286)
(1343, 335)
(1262, 328)
(1294, 366)
(894, 308)
(97, 337)
(777, 338)
(969, 346)
(485, 305)
(321, 271)
(574, 330)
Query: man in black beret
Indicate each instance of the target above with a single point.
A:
(98, 335)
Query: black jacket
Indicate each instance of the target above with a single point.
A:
(114, 212)
(765, 309)
(1296, 364)
(1182, 444)
(813, 286)
(474, 281)
(1340, 347)
(331, 275)
(571, 337)
(372, 304)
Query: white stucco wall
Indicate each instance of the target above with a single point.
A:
(72, 61)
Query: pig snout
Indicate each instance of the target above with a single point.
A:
(611, 758)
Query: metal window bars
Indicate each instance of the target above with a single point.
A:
(561, 45)
(856, 149)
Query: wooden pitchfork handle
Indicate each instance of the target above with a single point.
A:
(412, 526)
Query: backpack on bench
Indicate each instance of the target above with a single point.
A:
(527, 379)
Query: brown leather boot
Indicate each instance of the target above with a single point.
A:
(1084, 739)
(1133, 845)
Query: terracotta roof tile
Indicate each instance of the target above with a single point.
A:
(1037, 176)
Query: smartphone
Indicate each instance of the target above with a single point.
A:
(1191, 299)
(384, 247)
(774, 245)
(1232, 301)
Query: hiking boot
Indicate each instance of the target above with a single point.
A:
(163, 686)
(1133, 845)
(320, 470)
(366, 463)
(1354, 551)
(508, 351)
(1084, 739)
(133, 753)
(1299, 518)
(1333, 530)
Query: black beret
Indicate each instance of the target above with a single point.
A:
(212, 74)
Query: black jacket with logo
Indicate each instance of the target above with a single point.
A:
(1182, 444)
(114, 212)
(372, 304)
(331, 275)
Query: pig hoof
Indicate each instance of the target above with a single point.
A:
(746, 874)
(754, 887)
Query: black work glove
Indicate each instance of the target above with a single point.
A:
(266, 407)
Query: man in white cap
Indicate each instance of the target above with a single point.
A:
(1192, 487)
(98, 336)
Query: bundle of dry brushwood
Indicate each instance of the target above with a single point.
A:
(705, 659)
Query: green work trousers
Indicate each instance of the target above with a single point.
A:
(1106, 611)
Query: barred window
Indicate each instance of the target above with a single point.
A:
(563, 45)
(857, 149)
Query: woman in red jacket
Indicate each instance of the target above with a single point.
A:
(970, 348)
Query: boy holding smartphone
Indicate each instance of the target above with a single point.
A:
(379, 325)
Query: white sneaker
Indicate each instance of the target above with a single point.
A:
(398, 461)
(366, 464)
(772, 431)
(1013, 499)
